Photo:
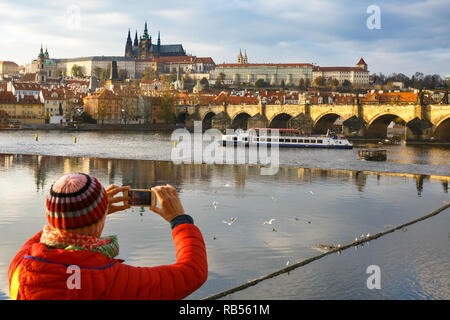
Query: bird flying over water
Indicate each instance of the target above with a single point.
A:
(269, 222)
(232, 220)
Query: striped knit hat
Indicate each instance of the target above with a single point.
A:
(76, 200)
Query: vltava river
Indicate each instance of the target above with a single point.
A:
(311, 206)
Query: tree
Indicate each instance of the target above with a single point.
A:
(87, 118)
(77, 71)
(204, 82)
(168, 108)
(346, 83)
(319, 81)
(150, 74)
(123, 74)
(260, 83)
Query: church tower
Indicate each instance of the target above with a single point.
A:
(240, 58)
(135, 45)
(41, 75)
(145, 44)
(245, 59)
(129, 46)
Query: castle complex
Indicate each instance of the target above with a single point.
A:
(140, 55)
(145, 49)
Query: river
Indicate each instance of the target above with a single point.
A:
(316, 197)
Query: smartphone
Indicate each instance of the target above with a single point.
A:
(141, 198)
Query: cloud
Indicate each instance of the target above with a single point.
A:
(414, 33)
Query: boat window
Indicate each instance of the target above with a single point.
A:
(245, 139)
(319, 141)
(262, 139)
(313, 141)
(269, 139)
(235, 138)
(300, 140)
(306, 140)
(288, 140)
(281, 140)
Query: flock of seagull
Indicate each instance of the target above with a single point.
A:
(320, 247)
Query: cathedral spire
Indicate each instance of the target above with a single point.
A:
(159, 38)
(145, 35)
(136, 41)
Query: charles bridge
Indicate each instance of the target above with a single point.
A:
(423, 122)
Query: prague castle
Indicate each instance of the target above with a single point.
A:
(145, 49)
(139, 56)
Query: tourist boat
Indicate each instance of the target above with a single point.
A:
(372, 154)
(291, 138)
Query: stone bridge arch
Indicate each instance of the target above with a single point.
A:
(280, 120)
(325, 121)
(240, 120)
(442, 129)
(377, 126)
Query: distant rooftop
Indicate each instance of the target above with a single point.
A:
(96, 58)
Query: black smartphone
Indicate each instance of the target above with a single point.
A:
(141, 197)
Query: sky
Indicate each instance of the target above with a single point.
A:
(391, 35)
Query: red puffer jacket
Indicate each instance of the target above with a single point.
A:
(43, 273)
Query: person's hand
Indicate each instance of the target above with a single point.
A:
(112, 192)
(169, 201)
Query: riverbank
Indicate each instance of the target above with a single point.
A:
(165, 128)
(96, 127)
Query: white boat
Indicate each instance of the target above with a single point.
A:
(290, 138)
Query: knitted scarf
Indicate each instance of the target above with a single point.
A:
(61, 239)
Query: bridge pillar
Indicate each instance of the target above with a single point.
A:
(419, 129)
(354, 127)
(193, 117)
(257, 121)
(303, 122)
(221, 121)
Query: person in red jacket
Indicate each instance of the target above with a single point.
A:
(69, 259)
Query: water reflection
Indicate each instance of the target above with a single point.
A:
(311, 206)
(145, 173)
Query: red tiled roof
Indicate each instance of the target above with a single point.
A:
(7, 97)
(361, 61)
(205, 60)
(279, 65)
(26, 86)
(29, 100)
(345, 69)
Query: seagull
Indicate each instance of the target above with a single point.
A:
(274, 230)
(297, 219)
(311, 192)
(287, 263)
(214, 238)
(232, 220)
(309, 222)
(226, 185)
(269, 222)
(368, 235)
(215, 203)
(356, 239)
(362, 237)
